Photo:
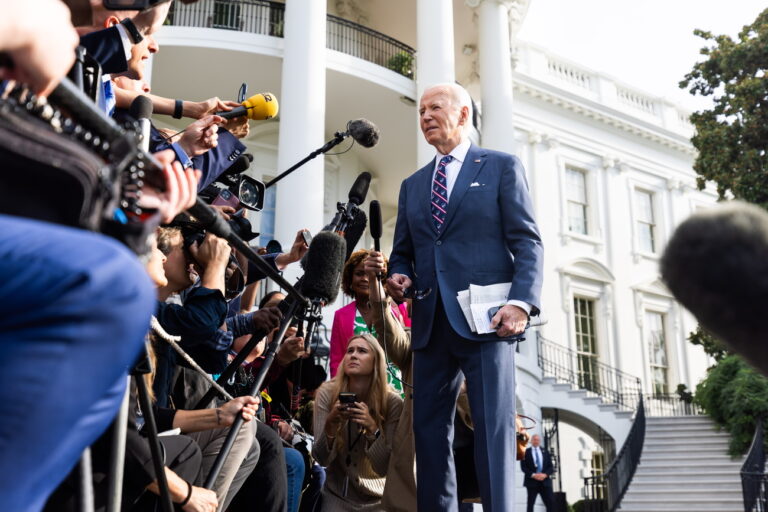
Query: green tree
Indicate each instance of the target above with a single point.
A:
(711, 345)
(735, 396)
(732, 137)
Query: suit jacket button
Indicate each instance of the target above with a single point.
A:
(439, 242)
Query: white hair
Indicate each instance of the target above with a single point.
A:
(460, 98)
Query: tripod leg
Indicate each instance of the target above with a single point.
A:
(154, 444)
(117, 455)
(85, 481)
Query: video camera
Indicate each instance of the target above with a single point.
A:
(235, 189)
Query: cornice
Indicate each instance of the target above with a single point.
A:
(598, 112)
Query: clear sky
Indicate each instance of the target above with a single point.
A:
(648, 44)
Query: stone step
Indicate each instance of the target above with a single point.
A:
(678, 435)
(678, 421)
(703, 474)
(685, 494)
(703, 503)
(674, 483)
(691, 445)
(667, 466)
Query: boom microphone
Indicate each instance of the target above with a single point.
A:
(258, 107)
(323, 267)
(376, 225)
(364, 132)
(716, 265)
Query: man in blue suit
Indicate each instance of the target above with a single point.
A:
(466, 217)
(537, 468)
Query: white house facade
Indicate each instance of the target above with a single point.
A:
(609, 169)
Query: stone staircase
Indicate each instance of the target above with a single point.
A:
(684, 466)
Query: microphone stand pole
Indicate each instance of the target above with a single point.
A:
(335, 141)
(254, 391)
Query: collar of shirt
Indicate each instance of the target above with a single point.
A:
(459, 154)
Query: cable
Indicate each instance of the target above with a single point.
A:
(342, 152)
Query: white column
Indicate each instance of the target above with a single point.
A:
(495, 75)
(435, 55)
(302, 122)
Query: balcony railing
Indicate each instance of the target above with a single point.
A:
(586, 372)
(604, 492)
(670, 405)
(754, 481)
(268, 18)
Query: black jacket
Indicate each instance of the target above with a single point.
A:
(529, 467)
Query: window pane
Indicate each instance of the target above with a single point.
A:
(577, 218)
(576, 186)
(644, 206)
(658, 351)
(586, 344)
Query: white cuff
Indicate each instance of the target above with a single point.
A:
(127, 41)
(522, 305)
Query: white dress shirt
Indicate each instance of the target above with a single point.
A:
(459, 154)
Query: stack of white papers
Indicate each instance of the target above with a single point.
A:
(477, 300)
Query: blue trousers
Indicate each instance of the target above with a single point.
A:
(74, 309)
(295, 465)
(439, 369)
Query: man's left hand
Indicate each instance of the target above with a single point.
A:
(511, 320)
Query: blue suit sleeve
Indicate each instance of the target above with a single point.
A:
(106, 47)
(401, 259)
(215, 161)
(198, 320)
(521, 234)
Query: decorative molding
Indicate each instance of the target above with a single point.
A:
(654, 135)
(535, 138)
(609, 161)
(608, 301)
(565, 292)
(639, 308)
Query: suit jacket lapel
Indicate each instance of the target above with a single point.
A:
(473, 162)
(424, 194)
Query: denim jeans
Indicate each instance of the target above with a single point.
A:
(295, 464)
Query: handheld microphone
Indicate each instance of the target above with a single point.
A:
(257, 108)
(141, 110)
(375, 224)
(364, 132)
(715, 264)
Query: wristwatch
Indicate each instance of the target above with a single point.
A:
(373, 437)
(132, 30)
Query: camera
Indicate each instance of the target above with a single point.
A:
(235, 189)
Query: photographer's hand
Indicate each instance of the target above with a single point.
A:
(213, 256)
(200, 136)
(290, 350)
(298, 250)
(40, 40)
(180, 188)
(266, 319)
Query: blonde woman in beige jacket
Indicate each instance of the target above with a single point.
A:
(354, 440)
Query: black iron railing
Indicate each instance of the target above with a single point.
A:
(268, 18)
(586, 372)
(670, 405)
(254, 16)
(754, 481)
(604, 492)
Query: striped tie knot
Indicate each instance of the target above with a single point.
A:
(439, 197)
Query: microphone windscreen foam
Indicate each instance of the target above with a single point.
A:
(262, 106)
(364, 132)
(141, 108)
(375, 219)
(360, 188)
(716, 265)
(323, 267)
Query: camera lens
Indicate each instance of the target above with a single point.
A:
(249, 194)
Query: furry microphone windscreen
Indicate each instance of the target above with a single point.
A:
(323, 266)
(716, 265)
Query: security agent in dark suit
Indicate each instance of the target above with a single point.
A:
(538, 469)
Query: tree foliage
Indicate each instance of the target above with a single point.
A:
(732, 137)
(711, 345)
(735, 396)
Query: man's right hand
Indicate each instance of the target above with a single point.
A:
(199, 109)
(397, 284)
(267, 319)
(202, 500)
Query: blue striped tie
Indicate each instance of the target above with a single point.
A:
(439, 197)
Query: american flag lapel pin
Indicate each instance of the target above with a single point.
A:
(477, 160)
